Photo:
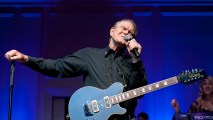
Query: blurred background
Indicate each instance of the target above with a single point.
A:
(176, 35)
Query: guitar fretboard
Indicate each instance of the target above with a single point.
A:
(142, 90)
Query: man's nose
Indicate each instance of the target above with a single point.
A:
(126, 32)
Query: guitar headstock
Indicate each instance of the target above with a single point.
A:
(187, 77)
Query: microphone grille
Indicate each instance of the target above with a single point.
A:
(128, 37)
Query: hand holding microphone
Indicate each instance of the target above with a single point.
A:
(132, 45)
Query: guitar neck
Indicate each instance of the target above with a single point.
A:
(143, 90)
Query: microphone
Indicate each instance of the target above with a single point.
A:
(134, 50)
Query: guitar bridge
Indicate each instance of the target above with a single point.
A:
(87, 110)
(91, 107)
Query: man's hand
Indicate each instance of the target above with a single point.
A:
(133, 44)
(13, 55)
(175, 105)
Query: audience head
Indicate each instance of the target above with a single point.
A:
(143, 116)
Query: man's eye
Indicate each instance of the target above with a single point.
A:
(122, 27)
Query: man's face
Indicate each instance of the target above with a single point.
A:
(120, 30)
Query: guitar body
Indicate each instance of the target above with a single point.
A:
(88, 94)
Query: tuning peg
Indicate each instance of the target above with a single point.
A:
(193, 70)
(186, 71)
(201, 70)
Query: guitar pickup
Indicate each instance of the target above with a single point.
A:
(107, 102)
(95, 107)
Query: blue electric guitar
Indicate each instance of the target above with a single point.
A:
(90, 103)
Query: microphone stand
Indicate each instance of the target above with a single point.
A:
(12, 68)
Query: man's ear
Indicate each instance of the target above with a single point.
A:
(111, 31)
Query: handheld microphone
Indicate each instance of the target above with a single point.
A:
(134, 50)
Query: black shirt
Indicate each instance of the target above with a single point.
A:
(99, 67)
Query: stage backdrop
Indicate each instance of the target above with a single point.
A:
(175, 35)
